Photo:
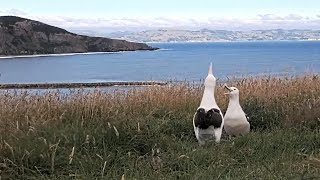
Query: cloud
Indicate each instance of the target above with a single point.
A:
(107, 24)
(295, 17)
(13, 12)
(291, 21)
(269, 17)
(266, 21)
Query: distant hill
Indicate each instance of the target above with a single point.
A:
(21, 36)
(204, 35)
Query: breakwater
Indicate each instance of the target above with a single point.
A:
(79, 85)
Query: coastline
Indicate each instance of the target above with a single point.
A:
(63, 54)
(231, 41)
(80, 85)
(152, 42)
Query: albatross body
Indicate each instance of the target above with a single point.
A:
(208, 119)
(236, 122)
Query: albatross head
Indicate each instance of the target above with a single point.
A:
(210, 80)
(232, 91)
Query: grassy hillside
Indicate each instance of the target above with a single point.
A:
(148, 134)
(21, 36)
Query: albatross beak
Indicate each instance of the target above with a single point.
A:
(229, 89)
(210, 69)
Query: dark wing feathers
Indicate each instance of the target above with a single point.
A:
(215, 118)
(199, 117)
(205, 119)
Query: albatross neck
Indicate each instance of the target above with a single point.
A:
(208, 98)
(234, 101)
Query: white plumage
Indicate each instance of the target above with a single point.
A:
(236, 122)
(208, 120)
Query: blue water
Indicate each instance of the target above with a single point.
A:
(177, 61)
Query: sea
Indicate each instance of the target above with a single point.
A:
(178, 61)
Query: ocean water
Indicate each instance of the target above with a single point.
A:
(174, 61)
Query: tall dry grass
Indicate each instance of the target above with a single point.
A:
(296, 100)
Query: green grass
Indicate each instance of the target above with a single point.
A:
(148, 134)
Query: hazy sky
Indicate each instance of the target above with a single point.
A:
(114, 15)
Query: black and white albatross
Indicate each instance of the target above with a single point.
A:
(208, 120)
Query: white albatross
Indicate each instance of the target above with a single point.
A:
(208, 119)
(235, 120)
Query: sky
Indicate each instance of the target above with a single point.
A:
(136, 15)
